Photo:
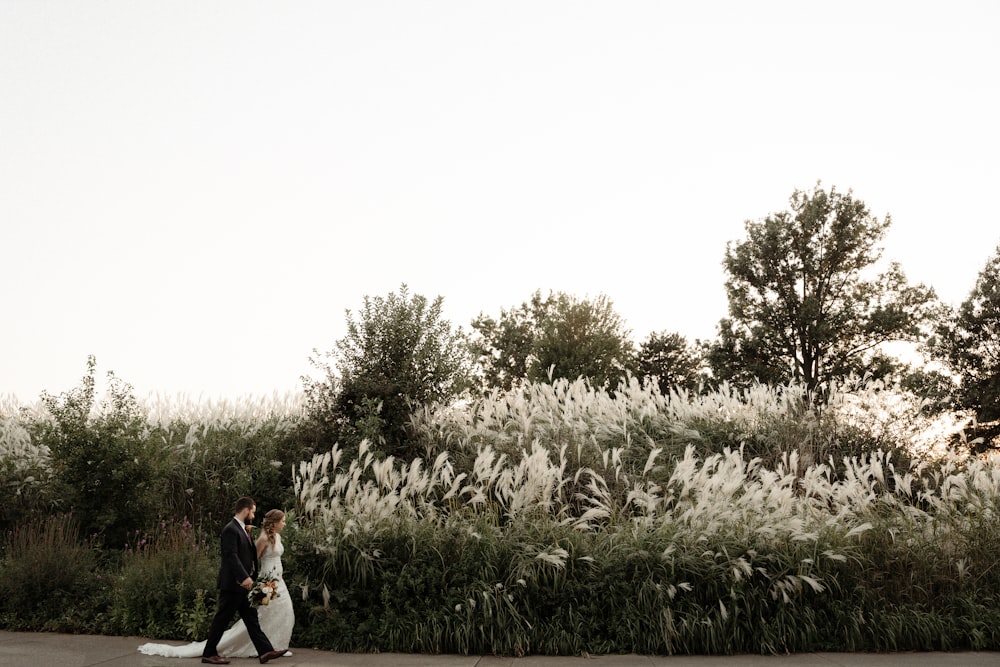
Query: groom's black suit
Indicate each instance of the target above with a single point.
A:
(239, 561)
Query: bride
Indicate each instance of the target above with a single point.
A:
(276, 618)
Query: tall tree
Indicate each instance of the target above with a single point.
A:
(502, 346)
(668, 357)
(558, 336)
(399, 351)
(969, 345)
(803, 303)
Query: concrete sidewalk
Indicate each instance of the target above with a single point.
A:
(28, 649)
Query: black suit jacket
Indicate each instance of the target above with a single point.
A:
(239, 557)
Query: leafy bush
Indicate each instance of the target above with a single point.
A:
(99, 459)
(167, 584)
(399, 352)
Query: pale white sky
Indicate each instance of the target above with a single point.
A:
(195, 191)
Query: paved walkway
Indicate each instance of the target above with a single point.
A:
(29, 649)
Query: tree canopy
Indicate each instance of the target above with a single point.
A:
(969, 345)
(399, 351)
(672, 360)
(804, 304)
(558, 336)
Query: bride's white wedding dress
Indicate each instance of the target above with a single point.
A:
(276, 620)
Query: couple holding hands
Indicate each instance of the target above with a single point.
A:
(258, 626)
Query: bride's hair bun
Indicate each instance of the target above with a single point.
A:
(272, 517)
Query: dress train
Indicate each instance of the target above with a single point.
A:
(276, 620)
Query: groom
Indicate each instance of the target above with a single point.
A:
(236, 578)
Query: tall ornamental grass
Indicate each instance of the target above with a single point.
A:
(764, 421)
(562, 520)
(211, 452)
(550, 519)
(25, 473)
(50, 580)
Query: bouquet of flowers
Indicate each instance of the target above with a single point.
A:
(264, 590)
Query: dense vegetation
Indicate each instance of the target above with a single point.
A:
(541, 485)
(551, 518)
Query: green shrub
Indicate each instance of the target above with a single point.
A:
(50, 580)
(167, 584)
(99, 460)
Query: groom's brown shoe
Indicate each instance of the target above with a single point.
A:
(271, 655)
(215, 660)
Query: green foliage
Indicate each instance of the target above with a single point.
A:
(503, 347)
(556, 337)
(675, 363)
(25, 474)
(118, 464)
(583, 546)
(802, 305)
(99, 457)
(933, 386)
(205, 466)
(580, 339)
(532, 588)
(167, 584)
(969, 344)
(564, 518)
(49, 580)
(400, 352)
(325, 420)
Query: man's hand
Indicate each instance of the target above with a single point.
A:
(247, 583)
